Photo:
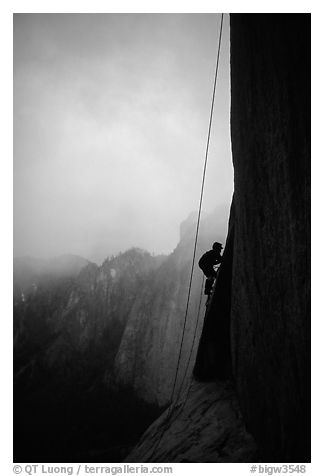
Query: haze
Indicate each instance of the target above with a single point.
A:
(111, 115)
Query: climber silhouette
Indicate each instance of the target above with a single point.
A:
(207, 262)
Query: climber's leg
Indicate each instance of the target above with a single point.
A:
(208, 285)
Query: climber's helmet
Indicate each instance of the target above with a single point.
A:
(217, 246)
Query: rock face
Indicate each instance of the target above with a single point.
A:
(206, 427)
(214, 357)
(270, 310)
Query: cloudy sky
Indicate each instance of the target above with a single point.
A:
(111, 115)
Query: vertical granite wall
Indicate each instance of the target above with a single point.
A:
(270, 303)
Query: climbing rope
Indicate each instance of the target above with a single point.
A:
(199, 209)
(196, 236)
(193, 341)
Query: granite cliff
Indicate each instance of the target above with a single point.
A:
(270, 306)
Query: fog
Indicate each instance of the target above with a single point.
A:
(111, 116)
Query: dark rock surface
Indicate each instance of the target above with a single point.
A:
(270, 310)
(213, 358)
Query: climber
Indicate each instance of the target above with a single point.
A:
(207, 263)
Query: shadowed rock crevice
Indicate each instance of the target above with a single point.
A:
(213, 358)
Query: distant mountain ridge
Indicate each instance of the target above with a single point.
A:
(67, 330)
(28, 271)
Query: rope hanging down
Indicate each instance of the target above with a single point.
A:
(200, 205)
(192, 346)
(190, 354)
(198, 223)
